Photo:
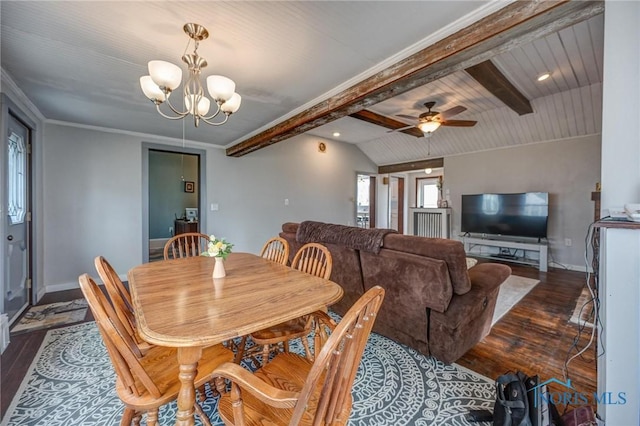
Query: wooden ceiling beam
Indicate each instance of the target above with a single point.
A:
(411, 166)
(387, 122)
(514, 25)
(492, 79)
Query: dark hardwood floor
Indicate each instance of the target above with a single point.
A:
(534, 337)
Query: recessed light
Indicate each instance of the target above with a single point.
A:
(544, 76)
(428, 170)
(336, 134)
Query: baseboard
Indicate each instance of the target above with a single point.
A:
(157, 243)
(72, 285)
(577, 268)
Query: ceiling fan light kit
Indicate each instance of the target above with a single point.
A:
(429, 126)
(430, 121)
(165, 77)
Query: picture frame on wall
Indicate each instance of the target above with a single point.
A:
(189, 186)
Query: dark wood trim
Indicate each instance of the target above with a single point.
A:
(411, 166)
(492, 79)
(373, 190)
(517, 23)
(387, 122)
(401, 203)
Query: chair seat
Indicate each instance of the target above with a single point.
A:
(290, 329)
(162, 365)
(289, 372)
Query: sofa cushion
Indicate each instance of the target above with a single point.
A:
(411, 282)
(451, 251)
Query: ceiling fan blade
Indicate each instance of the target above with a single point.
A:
(400, 129)
(459, 123)
(453, 111)
(408, 117)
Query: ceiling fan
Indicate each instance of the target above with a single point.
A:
(429, 121)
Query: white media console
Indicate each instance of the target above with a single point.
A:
(541, 248)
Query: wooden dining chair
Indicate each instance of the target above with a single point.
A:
(144, 383)
(314, 259)
(121, 301)
(189, 244)
(123, 307)
(291, 390)
(276, 249)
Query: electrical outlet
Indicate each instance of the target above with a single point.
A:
(568, 242)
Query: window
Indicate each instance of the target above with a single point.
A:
(427, 192)
(16, 173)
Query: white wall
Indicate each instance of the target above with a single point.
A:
(618, 367)
(93, 184)
(568, 170)
(92, 203)
(251, 190)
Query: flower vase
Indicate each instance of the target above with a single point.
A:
(218, 268)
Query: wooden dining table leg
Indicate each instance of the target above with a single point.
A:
(188, 359)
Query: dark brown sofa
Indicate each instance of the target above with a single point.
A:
(432, 302)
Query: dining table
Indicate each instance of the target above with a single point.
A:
(178, 304)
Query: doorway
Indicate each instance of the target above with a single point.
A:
(16, 211)
(173, 195)
(365, 201)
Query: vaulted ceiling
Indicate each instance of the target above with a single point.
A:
(79, 62)
(567, 104)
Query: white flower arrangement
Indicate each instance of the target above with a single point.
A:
(217, 248)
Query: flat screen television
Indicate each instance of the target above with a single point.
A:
(518, 215)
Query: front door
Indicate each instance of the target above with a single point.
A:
(16, 216)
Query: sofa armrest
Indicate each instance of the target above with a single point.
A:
(485, 280)
(488, 276)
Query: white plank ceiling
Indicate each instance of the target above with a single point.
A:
(79, 62)
(568, 104)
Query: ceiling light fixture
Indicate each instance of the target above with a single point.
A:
(429, 127)
(336, 134)
(165, 77)
(544, 76)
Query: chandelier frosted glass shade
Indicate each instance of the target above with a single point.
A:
(165, 74)
(220, 88)
(429, 126)
(232, 104)
(151, 90)
(203, 104)
(165, 77)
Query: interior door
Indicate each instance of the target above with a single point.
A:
(17, 217)
(396, 203)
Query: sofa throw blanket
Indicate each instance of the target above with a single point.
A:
(356, 238)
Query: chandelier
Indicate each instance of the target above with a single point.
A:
(164, 77)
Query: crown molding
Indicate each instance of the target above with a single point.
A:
(18, 95)
(147, 137)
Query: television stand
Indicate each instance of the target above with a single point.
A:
(541, 248)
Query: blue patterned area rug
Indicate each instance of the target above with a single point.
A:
(71, 382)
